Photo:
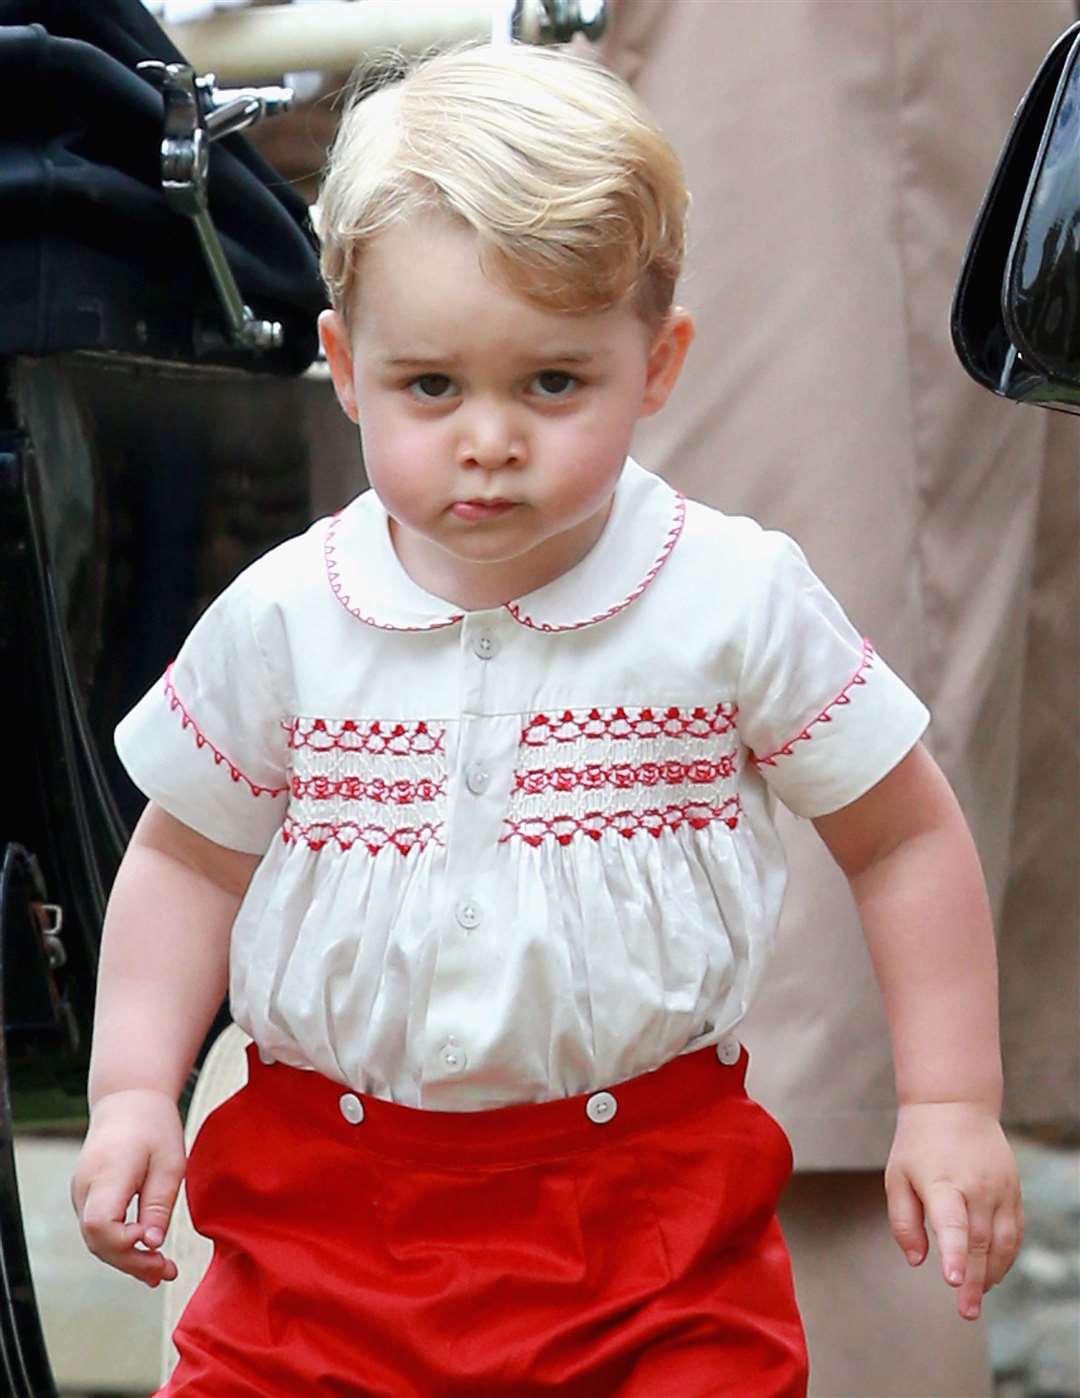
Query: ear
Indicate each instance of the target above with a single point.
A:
(666, 355)
(334, 336)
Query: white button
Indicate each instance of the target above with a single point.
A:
(601, 1107)
(485, 645)
(477, 777)
(453, 1058)
(467, 914)
(352, 1109)
(728, 1051)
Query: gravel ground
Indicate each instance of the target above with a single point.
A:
(1034, 1315)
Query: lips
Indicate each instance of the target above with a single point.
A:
(475, 510)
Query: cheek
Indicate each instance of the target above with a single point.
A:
(395, 450)
(597, 449)
(405, 492)
(583, 489)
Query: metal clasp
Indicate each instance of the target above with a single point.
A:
(559, 20)
(50, 921)
(196, 114)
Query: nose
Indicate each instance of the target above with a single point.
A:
(491, 438)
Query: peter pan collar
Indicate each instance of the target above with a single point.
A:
(646, 520)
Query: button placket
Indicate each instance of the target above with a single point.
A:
(477, 778)
(479, 751)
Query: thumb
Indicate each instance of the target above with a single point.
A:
(157, 1195)
(906, 1217)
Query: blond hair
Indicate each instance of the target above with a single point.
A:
(576, 197)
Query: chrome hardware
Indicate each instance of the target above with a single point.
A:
(245, 43)
(196, 114)
(557, 21)
(50, 919)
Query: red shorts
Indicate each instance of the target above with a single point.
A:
(612, 1245)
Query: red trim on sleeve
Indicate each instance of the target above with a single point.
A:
(844, 697)
(202, 741)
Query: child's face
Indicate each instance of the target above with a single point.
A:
(494, 432)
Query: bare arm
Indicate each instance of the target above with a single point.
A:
(911, 863)
(164, 955)
(162, 976)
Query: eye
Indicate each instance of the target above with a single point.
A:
(553, 383)
(432, 387)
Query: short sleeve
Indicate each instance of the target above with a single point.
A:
(823, 715)
(208, 742)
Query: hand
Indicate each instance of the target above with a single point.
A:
(952, 1168)
(135, 1146)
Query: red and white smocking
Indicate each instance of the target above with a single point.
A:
(376, 784)
(623, 772)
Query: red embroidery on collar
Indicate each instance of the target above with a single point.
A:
(563, 829)
(337, 585)
(623, 775)
(333, 576)
(374, 838)
(622, 723)
(844, 697)
(665, 553)
(202, 741)
(364, 735)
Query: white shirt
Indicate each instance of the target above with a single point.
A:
(513, 854)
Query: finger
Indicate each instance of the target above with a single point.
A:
(946, 1212)
(120, 1244)
(87, 1173)
(106, 1229)
(980, 1235)
(151, 1267)
(157, 1198)
(1007, 1234)
(109, 1240)
(103, 1216)
(146, 1266)
(906, 1218)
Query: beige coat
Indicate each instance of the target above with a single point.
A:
(837, 153)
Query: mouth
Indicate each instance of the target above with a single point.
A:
(475, 510)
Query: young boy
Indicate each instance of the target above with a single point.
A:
(472, 786)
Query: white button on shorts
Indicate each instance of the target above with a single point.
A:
(352, 1109)
(601, 1107)
(728, 1051)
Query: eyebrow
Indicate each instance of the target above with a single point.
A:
(423, 361)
